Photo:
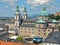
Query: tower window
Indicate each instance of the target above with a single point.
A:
(16, 24)
(15, 17)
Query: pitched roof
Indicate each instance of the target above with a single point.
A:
(30, 20)
(28, 25)
(53, 37)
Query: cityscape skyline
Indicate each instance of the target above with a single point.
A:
(8, 7)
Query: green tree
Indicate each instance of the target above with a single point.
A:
(20, 38)
(54, 17)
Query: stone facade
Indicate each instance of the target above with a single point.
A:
(41, 26)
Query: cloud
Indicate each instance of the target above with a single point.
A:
(37, 2)
(9, 2)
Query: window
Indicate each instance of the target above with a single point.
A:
(33, 32)
(25, 31)
(21, 31)
(44, 33)
(49, 30)
(39, 30)
(32, 29)
(44, 30)
(29, 28)
(17, 23)
(39, 34)
(21, 28)
(29, 32)
(39, 25)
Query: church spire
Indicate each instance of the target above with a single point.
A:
(24, 13)
(17, 9)
(25, 10)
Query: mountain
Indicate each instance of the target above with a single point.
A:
(33, 16)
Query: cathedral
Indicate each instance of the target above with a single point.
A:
(41, 26)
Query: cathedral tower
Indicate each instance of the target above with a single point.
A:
(24, 13)
(17, 20)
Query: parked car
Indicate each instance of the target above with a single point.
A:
(29, 40)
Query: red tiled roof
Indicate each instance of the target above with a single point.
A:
(14, 43)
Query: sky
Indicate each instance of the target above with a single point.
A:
(8, 7)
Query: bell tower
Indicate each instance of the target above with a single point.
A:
(24, 13)
(17, 20)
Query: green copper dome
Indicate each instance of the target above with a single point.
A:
(44, 12)
(41, 21)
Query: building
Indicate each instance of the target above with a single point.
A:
(57, 14)
(53, 39)
(26, 27)
(8, 41)
(3, 30)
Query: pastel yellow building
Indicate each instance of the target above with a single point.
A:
(57, 14)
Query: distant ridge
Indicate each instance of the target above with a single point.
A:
(33, 16)
(29, 16)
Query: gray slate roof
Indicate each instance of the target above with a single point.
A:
(28, 25)
(31, 20)
(53, 37)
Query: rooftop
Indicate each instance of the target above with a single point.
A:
(44, 12)
(53, 37)
(28, 25)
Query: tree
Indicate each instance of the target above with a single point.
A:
(20, 38)
(54, 17)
